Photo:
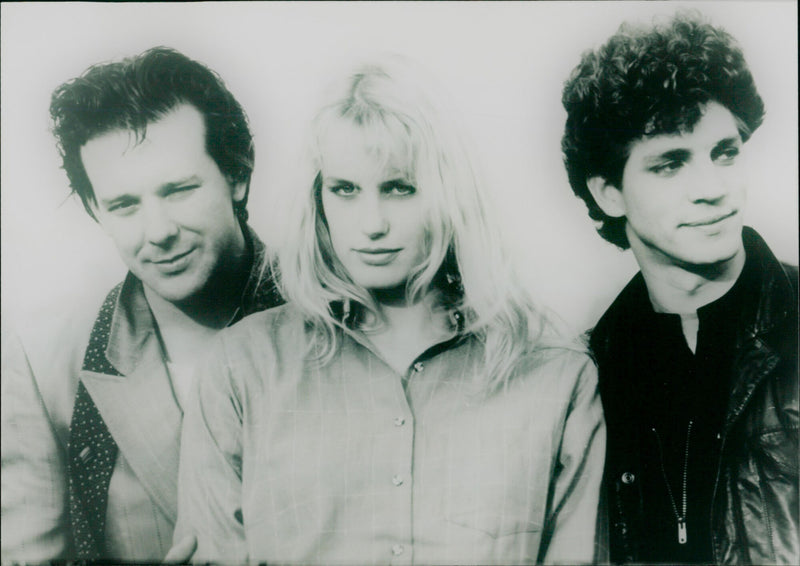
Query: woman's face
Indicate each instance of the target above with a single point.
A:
(375, 213)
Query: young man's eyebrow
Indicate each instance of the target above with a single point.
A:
(669, 155)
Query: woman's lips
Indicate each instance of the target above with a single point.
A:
(377, 256)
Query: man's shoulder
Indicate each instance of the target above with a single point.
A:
(47, 346)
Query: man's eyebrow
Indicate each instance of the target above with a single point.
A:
(190, 180)
(117, 199)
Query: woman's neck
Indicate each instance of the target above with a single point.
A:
(409, 328)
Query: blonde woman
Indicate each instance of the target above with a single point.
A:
(409, 404)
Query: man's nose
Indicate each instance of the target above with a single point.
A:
(159, 228)
(372, 217)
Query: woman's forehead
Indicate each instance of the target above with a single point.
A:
(380, 144)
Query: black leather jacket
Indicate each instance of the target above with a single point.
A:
(754, 515)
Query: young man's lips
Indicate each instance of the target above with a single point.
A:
(710, 221)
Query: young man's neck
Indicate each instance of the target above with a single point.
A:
(683, 289)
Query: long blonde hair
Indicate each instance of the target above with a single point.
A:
(387, 101)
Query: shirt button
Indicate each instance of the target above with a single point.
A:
(397, 480)
(399, 421)
(627, 478)
(397, 549)
(418, 367)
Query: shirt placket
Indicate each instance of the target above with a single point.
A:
(401, 550)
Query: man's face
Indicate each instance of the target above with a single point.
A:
(683, 195)
(165, 203)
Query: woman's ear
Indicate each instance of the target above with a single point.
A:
(607, 196)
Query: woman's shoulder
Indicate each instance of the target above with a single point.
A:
(270, 321)
(565, 362)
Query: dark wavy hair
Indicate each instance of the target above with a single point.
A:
(645, 82)
(134, 92)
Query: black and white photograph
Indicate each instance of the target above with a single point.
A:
(399, 282)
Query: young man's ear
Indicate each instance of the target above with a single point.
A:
(607, 196)
(238, 191)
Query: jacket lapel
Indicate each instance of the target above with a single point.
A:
(139, 406)
(144, 420)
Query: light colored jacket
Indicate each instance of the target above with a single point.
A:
(42, 365)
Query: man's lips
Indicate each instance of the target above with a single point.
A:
(710, 221)
(171, 259)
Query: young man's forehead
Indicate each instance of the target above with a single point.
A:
(715, 123)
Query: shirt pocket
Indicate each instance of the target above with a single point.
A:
(504, 492)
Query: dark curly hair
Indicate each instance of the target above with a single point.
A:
(139, 90)
(646, 82)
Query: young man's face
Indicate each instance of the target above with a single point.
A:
(683, 195)
(165, 203)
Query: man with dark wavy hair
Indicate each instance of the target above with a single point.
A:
(698, 354)
(160, 154)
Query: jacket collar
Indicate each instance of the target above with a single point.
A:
(131, 387)
(776, 300)
(133, 338)
(770, 299)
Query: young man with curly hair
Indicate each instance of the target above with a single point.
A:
(698, 354)
(160, 154)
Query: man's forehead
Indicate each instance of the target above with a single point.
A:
(173, 147)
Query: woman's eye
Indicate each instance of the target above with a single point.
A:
(343, 189)
(400, 189)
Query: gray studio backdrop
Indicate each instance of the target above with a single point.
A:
(502, 63)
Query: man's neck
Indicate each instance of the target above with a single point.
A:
(185, 326)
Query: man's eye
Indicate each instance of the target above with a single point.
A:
(122, 208)
(180, 192)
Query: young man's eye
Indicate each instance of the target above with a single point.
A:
(728, 155)
(667, 167)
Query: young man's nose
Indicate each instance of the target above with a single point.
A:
(159, 228)
(709, 183)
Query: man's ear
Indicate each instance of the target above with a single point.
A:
(607, 196)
